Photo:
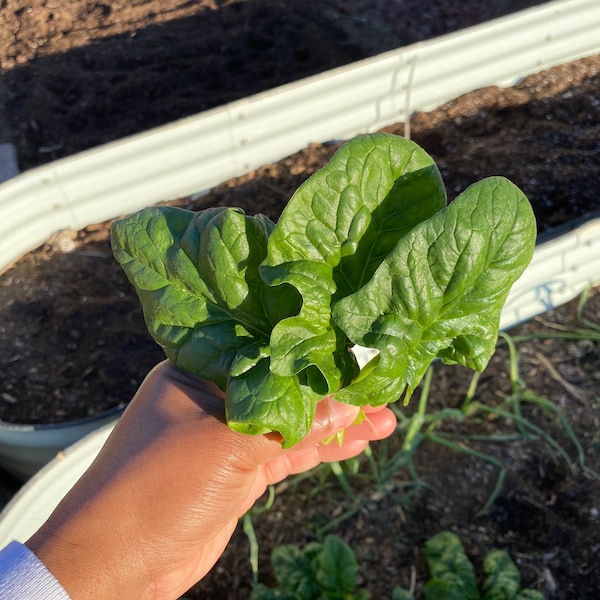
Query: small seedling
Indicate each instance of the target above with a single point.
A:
(453, 575)
(318, 571)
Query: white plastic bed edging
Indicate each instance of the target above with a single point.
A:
(194, 154)
(561, 269)
(26, 448)
(36, 500)
(199, 152)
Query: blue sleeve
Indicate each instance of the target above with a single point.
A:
(24, 577)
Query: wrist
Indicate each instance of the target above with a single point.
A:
(87, 544)
(87, 564)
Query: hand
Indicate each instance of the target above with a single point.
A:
(159, 504)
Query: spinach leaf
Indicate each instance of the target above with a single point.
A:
(440, 291)
(318, 571)
(452, 574)
(364, 253)
(197, 278)
(332, 236)
(503, 579)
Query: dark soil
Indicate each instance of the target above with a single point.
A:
(80, 73)
(547, 514)
(72, 336)
(84, 317)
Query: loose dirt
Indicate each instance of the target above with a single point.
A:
(72, 336)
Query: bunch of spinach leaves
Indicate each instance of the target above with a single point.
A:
(366, 253)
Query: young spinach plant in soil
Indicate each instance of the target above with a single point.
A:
(326, 571)
(365, 253)
(453, 574)
(329, 571)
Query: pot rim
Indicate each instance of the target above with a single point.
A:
(30, 427)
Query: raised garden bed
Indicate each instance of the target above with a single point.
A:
(543, 135)
(91, 346)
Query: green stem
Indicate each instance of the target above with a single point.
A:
(248, 528)
(471, 391)
(253, 541)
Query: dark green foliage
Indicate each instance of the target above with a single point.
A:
(365, 253)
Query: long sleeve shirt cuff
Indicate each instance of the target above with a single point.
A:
(24, 577)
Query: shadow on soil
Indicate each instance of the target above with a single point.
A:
(65, 103)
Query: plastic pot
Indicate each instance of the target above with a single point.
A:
(25, 449)
(34, 502)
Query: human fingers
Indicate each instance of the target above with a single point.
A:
(330, 417)
(301, 459)
(372, 425)
(353, 440)
(350, 442)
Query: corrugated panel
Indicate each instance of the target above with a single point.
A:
(195, 154)
(561, 269)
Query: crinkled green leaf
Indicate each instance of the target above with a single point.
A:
(363, 254)
(337, 568)
(503, 579)
(259, 401)
(294, 569)
(333, 234)
(452, 574)
(197, 278)
(440, 292)
(316, 572)
(205, 304)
